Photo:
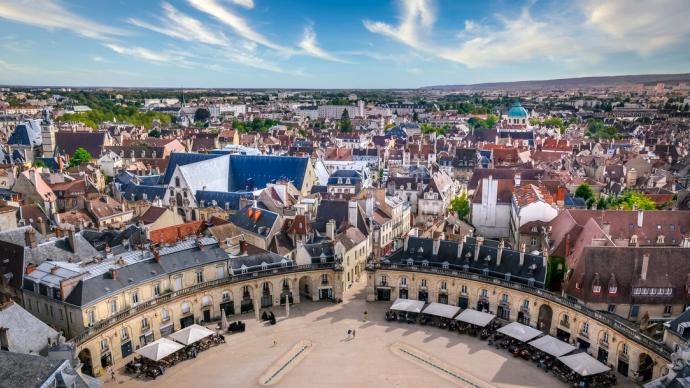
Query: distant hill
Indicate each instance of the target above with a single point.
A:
(583, 82)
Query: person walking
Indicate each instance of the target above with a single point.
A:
(365, 316)
(353, 333)
(349, 332)
(112, 374)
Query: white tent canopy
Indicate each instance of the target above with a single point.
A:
(475, 317)
(408, 305)
(159, 349)
(191, 334)
(552, 346)
(519, 331)
(583, 364)
(441, 310)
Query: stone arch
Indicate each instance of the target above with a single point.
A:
(544, 318)
(246, 296)
(483, 295)
(443, 291)
(266, 294)
(306, 286)
(403, 284)
(227, 302)
(423, 289)
(524, 316)
(86, 360)
(285, 287)
(645, 368)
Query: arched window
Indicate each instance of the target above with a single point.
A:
(444, 286)
(206, 301)
(226, 296)
(177, 181)
(186, 308)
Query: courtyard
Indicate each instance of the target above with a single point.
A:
(311, 348)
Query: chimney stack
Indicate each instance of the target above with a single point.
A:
(71, 239)
(477, 247)
(156, 256)
(30, 237)
(42, 226)
(352, 212)
(645, 266)
(113, 273)
(523, 248)
(501, 245)
(436, 245)
(407, 240)
(330, 229)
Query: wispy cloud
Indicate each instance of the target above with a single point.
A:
(236, 22)
(244, 3)
(311, 46)
(583, 33)
(97, 58)
(142, 53)
(51, 14)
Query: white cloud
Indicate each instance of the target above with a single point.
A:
(97, 58)
(51, 14)
(142, 53)
(236, 22)
(244, 3)
(178, 25)
(638, 25)
(415, 14)
(311, 47)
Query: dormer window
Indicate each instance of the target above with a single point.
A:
(410, 262)
(425, 263)
(507, 277)
(633, 239)
(445, 265)
(660, 239)
(613, 290)
(264, 266)
(485, 272)
(596, 289)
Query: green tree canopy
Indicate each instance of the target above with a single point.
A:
(154, 133)
(202, 114)
(597, 129)
(461, 206)
(629, 200)
(80, 157)
(585, 192)
(345, 122)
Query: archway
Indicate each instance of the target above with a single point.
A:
(286, 292)
(402, 287)
(86, 362)
(305, 286)
(645, 368)
(266, 295)
(544, 320)
(227, 305)
(247, 303)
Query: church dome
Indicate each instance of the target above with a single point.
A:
(517, 110)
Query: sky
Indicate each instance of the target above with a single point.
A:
(348, 44)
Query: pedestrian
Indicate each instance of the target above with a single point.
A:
(348, 333)
(275, 343)
(365, 316)
(112, 374)
(353, 333)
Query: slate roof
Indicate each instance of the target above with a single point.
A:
(26, 134)
(421, 249)
(259, 170)
(27, 333)
(26, 370)
(68, 142)
(134, 192)
(221, 198)
(255, 220)
(181, 159)
(336, 210)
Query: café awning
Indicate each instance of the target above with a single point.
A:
(191, 334)
(408, 305)
(553, 346)
(583, 364)
(159, 349)
(519, 331)
(475, 317)
(441, 310)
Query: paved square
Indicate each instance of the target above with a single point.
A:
(336, 361)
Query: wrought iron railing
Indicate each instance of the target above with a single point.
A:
(618, 324)
(109, 322)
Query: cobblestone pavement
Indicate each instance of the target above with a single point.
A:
(338, 361)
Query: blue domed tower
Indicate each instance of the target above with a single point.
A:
(517, 115)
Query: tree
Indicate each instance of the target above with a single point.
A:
(154, 133)
(461, 206)
(345, 122)
(202, 114)
(80, 157)
(585, 192)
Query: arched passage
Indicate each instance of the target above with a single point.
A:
(305, 287)
(286, 291)
(247, 303)
(266, 295)
(544, 319)
(227, 304)
(645, 368)
(86, 361)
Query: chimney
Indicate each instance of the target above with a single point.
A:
(518, 179)
(436, 245)
(113, 273)
(522, 254)
(606, 227)
(71, 239)
(30, 268)
(330, 229)
(30, 237)
(407, 240)
(501, 245)
(42, 226)
(156, 256)
(645, 266)
(460, 247)
(640, 218)
(352, 212)
(477, 247)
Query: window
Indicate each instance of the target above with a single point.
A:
(668, 309)
(144, 324)
(113, 307)
(186, 308)
(625, 349)
(484, 293)
(135, 297)
(444, 285)
(199, 277)
(324, 279)
(634, 311)
(104, 345)
(585, 329)
(596, 289)
(124, 334)
(156, 289)
(422, 284)
(178, 283)
(220, 272)
(91, 317)
(403, 282)
(672, 227)
(504, 298)
(613, 290)
(525, 304)
(384, 280)
(611, 308)
(463, 289)
(206, 301)
(226, 296)
(177, 181)
(605, 338)
(165, 315)
(534, 241)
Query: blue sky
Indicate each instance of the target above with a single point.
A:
(335, 43)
